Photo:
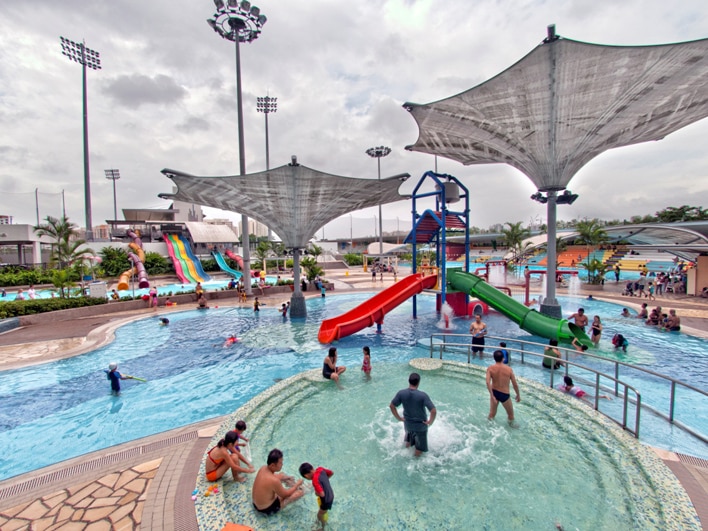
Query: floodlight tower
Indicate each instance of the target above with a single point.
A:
(78, 52)
(239, 22)
(113, 175)
(377, 153)
(267, 105)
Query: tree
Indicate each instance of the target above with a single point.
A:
(592, 233)
(262, 252)
(596, 270)
(115, 261)
(312, 270)
(278, 249)
(65, 245)
(514, 236)
(682, 213)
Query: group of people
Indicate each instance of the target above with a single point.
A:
(656, 317)
(647, 285)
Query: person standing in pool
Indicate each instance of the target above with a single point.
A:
(415, 420)
(323, 490)
(596, 330)
(498, 378)
(478, 330)
(115, 377)
(268, 494)
(366, 364)
(580, 319)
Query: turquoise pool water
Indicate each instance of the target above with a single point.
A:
(191, 377)
(554, 469)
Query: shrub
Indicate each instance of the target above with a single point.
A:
(31, 307)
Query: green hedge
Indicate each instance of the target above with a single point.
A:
(31, 307)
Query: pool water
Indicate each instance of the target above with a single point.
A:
(191, 377)
(555, 468)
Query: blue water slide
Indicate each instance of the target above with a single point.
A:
(221, 262)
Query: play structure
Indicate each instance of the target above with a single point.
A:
(373, 310)
(137, 257)
(530, 320)
(187, 265)
(221, 262)
(453, 289)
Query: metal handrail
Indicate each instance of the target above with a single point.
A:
(442, 341)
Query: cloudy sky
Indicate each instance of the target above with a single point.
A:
(340, 70)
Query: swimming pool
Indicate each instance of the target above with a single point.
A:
(162, 291)
(555, 468)
(191, 377)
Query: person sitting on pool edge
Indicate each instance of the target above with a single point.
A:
(268, 494)
(202, 302)
(329, 366)
(225, 456)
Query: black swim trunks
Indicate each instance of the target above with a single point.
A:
(271, 509)
(419, 439)
(478, 341)
(502, 397)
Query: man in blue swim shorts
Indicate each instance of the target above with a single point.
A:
(498, 378)
(415, 419)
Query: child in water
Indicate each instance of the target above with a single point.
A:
(320, 482)
(366, 364)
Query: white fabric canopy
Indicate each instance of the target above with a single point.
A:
(565, 103)
(293, 200)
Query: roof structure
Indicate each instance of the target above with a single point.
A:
(208, 233)
(565, 103)
(294, 200)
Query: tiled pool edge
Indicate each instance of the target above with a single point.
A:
(676, 505)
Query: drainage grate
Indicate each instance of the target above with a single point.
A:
(93, 464)
(695, 461)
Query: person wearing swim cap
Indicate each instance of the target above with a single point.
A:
(115, 377)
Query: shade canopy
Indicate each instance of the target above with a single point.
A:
(565, 103)
(293, 200)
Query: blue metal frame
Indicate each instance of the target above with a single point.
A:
(441, 238)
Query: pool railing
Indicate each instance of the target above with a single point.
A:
(455, 343)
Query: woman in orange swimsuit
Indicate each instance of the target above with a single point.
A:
(225, 456)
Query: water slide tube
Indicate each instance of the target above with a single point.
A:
(191, 259)
(234, 257)
(180, 268)
(373, 310)
(138, 259)
(224, 266)
(530, 320)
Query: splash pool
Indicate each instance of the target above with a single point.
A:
(565, 464)
(191, 377)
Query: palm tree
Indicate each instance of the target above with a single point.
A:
(262, 252)
(592, 233)
(65, 247)
(514, 237)
(278, 250)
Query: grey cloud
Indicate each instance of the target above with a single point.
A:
(135, 90)
(194, 123)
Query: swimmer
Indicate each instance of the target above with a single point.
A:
(230, 341)
(625, 313)
(568, 387)
(115, 377)
(164, 321)
(284, 310)
(202, 302)
(578, 346)
(323, 490)
(225, 456)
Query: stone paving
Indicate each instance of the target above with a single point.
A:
(152, 491)
(113, 501)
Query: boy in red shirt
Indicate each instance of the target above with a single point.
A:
(320, 482)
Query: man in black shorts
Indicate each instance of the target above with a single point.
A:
(268, 494)
(415, 420)
(478, 330)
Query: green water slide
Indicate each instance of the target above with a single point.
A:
(530, 320)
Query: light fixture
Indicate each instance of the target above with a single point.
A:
(538, 196)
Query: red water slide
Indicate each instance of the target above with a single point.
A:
(373, 310)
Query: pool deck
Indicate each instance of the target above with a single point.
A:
(147, 483)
